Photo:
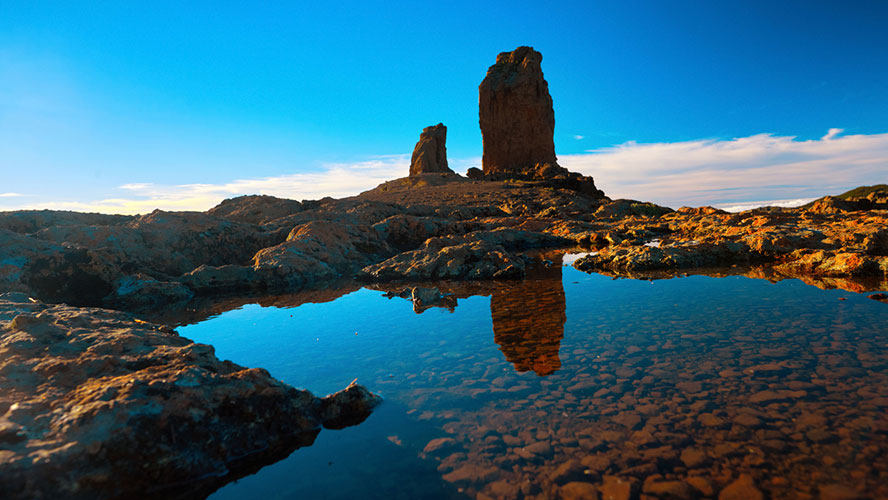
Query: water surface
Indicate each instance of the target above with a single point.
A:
(572, 377)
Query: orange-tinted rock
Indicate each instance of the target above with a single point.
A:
(618, 488)
(743, 488)
(578, 490)
(516, 114)
(430, 153)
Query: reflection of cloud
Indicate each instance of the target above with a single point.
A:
(737, 171)
(578, 137)
(337, 180)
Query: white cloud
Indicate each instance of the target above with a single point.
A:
(832, 133)
(733, 174)
(768, 203)
(337, 180)
(11, 195)
(738, 171)
(579, 137)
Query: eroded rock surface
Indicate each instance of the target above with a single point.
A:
(516, 114)
(430, 153)
(432, 226)
(97, 404)
(794, 242)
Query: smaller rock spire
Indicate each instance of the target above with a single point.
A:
(430, 153)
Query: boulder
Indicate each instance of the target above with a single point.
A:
(255, 209)
(138, 292)
(515, 112)
(430, 153)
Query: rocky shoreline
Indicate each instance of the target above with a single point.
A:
(437, 226)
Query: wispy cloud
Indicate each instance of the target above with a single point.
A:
(337, 180)
(734, 174)
(738, 171)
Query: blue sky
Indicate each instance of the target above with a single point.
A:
(180, 104)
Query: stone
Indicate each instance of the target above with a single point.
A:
(578, 490)
(571, 470)
(671, 490)
(702, 485)
(839, 492)
(424, 298)
(693, 457)
(439, 445)
(430, 153)
(516, 115)
(618, 488)
(540, 448)
(256, 209)
(743, 488)
(139, 292)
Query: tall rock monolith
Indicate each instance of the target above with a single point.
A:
(516, 115)
(430, 153)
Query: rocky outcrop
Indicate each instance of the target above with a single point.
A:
(425, 227)
(31, 221)
(255, 209)
(97, 404)
(516, 115)
(476, 255)
(796, 242)
(518, 125)
(430, 153)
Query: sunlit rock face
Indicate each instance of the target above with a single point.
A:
(430, 153)
(516, 115)
(528, 320)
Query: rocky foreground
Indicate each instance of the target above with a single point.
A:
(97, 404)
(432, 226)
(104, 370)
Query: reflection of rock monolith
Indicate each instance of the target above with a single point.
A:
(516, 115)
(430, 153)
(528, 320)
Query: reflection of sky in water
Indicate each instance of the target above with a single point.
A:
(503, 357)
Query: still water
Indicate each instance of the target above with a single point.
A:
(525, 388)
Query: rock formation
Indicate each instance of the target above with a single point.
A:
(516, 115)
(430, 153)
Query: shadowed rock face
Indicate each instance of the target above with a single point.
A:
(430, 153)
(515, 112)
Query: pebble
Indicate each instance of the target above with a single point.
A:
(743, 488)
